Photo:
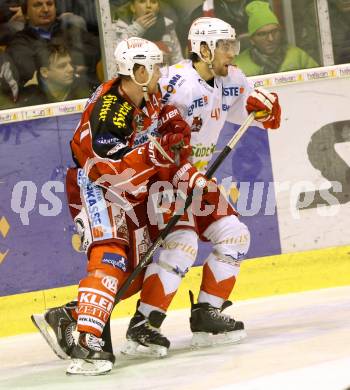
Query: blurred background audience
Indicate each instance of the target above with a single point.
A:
(42, 27)
(272, 40)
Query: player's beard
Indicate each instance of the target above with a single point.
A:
(221, 71)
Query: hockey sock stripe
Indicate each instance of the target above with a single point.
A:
(95, 291)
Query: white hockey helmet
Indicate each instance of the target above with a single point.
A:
(210, 31)
(136, 50)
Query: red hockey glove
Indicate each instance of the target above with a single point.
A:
(175, 134)
(187, 179)
(177, 147)
(190, 175)
(267, 107)
(172, 145)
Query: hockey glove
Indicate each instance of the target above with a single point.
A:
(191, 176)
(266, 107)
(171, 122)
(188, 179)
(162, 152)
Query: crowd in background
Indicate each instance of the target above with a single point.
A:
(50, 50)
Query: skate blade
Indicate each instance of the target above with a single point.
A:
(203, 339)
(136, 350)
(48, 334)
(89, 367)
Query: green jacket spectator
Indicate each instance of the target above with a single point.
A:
(294, 58)
(268, 52)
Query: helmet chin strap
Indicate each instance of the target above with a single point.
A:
(143, 85)
(211, 69)
(145, 92)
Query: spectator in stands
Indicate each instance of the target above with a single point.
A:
(121, 9)
(56, 79)
(145, 20)
(269, 53)
(43, 27)
(11, 20)
(231, 11)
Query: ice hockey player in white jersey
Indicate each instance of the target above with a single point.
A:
(207, 90)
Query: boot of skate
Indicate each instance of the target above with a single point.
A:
(145, 331)
(57, 326)
(208, 320)
(88, 357)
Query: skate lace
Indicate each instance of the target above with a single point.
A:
(154, 331)
(149, 333)
(94, 342)
(217, 314)
(69, 334)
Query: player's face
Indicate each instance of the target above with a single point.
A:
(267, 39)
(224, 54)
(143, 7)
(60, 71)
(41, 13)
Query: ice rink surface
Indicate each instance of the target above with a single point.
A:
(296, 341)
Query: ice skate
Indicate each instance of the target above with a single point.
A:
(57, 326)
(88, 358)
(144, 338)
(211, 327)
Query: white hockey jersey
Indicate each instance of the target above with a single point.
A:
(205, 108)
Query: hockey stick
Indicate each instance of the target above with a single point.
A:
(176, 216)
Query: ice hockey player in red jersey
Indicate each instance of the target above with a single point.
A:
(106, 191)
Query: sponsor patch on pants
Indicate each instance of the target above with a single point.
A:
(115, 260)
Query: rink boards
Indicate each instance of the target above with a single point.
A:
(292, 186)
